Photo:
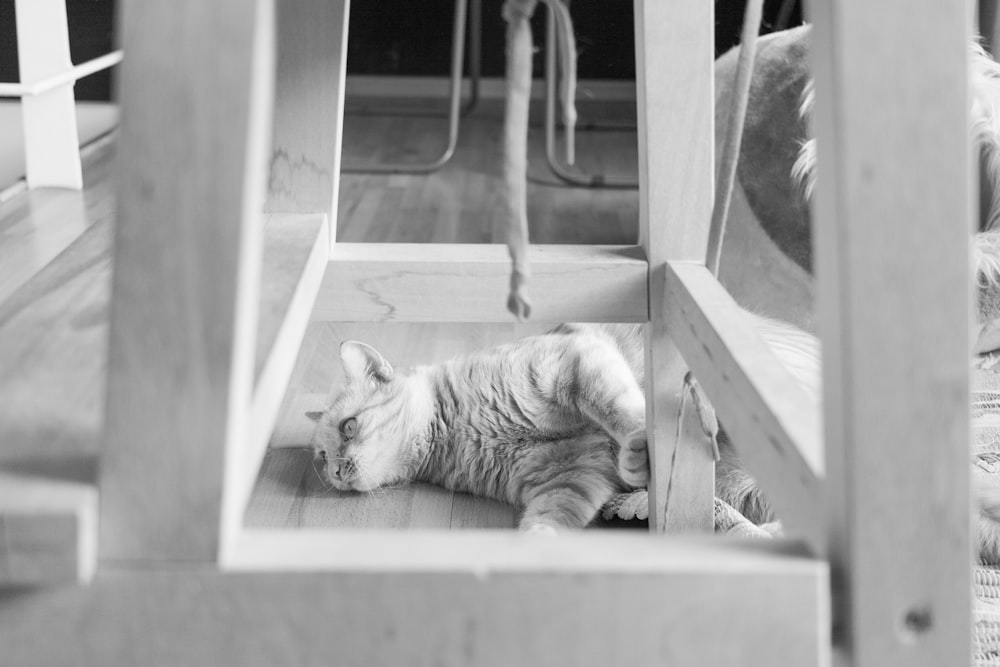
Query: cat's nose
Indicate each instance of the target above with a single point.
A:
(345, 470)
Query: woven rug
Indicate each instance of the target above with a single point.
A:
(986, 455)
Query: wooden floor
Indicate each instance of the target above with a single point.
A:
(54, 296)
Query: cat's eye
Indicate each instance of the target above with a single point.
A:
(349, 427)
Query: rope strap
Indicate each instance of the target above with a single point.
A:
(734, 134)
(518, 13)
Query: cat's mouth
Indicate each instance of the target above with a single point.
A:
(353, 484)
(340, 484)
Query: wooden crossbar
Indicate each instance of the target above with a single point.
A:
(410, 282)
(48, 530)
(296, 248)
(66, 77)
(776, 429)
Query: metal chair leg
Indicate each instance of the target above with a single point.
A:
(454, 97)
(555, 164)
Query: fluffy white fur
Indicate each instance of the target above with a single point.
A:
(984, 121)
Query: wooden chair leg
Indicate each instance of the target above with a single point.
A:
(674, 51)
(893, 218)
(196, 99)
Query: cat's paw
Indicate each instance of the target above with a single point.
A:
(536, 528)
(773, 528)
(633, 461)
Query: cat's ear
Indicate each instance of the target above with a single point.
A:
(362, 360)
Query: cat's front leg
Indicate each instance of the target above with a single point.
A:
(608, 393)
(568, 496)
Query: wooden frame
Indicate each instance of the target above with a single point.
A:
(674, 48)
(198, 349)
(183, 327)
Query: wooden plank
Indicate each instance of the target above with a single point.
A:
(281, 486)
(432, 508)
(188, 249)
(293, 262)
(296, 248)
(702, 611)
(471, 512)
(893, 218)
(309, 108)
(486, 551)
(674, 51)
(290, 493)
(30, 240)
(53, 345)
(51, 139)
(424, 282)
(48, 530)
(772, 420)
(53, 338)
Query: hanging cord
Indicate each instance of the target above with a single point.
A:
(518, 13)
(734, 134)
(692, 392)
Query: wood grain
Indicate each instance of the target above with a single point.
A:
(53, 347)
(776, 429)
(304, 164)
(469, 283)
(674, 50)
(893, 218)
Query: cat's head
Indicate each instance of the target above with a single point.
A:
(366, 438)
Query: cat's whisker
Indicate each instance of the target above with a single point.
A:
(373, 490)
(319, 474)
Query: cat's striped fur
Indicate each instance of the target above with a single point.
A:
(554, 424)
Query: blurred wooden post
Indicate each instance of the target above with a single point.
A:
(674, 52)
(893, 219)
(51, 140)
(196, 100)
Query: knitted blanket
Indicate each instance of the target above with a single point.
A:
(985, 453)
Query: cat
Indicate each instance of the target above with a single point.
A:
(538, 423)
(553, 424)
